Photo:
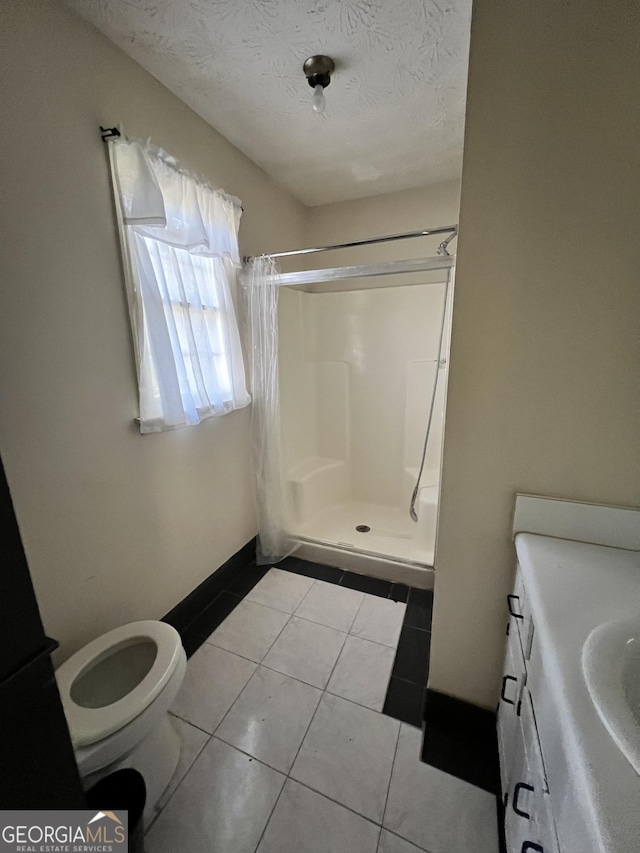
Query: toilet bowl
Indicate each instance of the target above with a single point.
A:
(116, 692)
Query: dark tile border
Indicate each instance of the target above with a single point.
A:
(404, 701)
(193, 604)
(190, 642)
(372, 586)
(200, 612)
(412, 655)
(213, 615)
(419, 609)
(317, 571)
(460, 739)
(351, 580)
(405, 694)
(246, 581)
(399, 592)
(462, 717)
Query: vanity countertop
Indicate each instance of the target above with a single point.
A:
(572, 587)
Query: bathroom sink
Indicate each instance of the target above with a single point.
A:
(611, 667)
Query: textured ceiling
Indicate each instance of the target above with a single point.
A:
(395, 106)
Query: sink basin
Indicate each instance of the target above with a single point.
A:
(611, 667)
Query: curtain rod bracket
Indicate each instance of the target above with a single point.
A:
(109, 133)
(442, 248)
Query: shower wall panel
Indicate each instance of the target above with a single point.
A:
(331, 413)
(357, 370)
(378, 333)
(420, 375)
(297, 392)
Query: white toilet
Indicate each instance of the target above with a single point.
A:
(116, 692)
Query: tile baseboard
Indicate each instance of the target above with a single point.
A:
(461, 739)
(192, 605)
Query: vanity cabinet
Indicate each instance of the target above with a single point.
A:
(529, 823)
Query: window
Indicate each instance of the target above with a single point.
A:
(180, 247)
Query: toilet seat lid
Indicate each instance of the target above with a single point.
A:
(88, 725)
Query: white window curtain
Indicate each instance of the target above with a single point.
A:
(180, 249)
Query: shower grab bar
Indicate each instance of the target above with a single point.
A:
(426, 232)
(289, 279)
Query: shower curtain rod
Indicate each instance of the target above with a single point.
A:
(443, 229)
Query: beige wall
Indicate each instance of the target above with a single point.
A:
(116, 526)
(545, 360)
(389, 213)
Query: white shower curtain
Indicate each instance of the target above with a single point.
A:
(274, 542)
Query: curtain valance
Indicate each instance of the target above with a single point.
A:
(160, 200)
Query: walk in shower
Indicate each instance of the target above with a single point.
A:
(359, 353)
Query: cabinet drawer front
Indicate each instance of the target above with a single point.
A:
(508, 722)
(520, 611)
(532, 741)
(529, 823)
(514, 647)
(530, 837)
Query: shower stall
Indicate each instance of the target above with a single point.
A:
(362, 366)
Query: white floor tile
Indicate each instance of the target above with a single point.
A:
(438, 812)
(392, 844)
(379, 620)
(249, 630)
(329, 604)
(270, 717)
(347, 754)
(362, 672)
(192, 740)
(212, 684)
(306, 651)
(222, 806)
(281, 590)
(306, 822)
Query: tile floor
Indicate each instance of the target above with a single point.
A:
(285, 747)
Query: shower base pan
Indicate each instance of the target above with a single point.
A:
(379, 541)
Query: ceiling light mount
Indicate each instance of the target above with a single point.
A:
(318, 70)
